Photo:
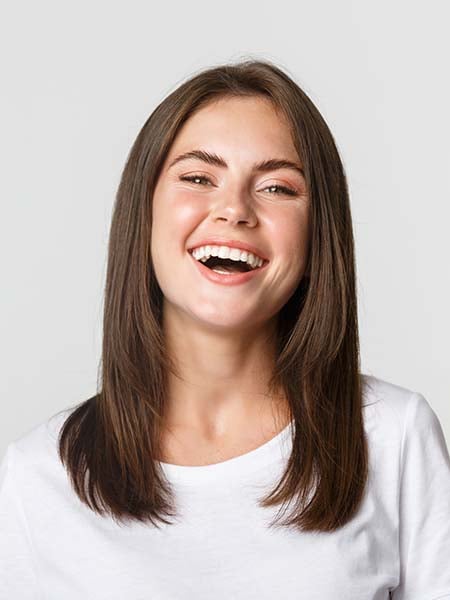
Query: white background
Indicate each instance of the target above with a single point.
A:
(80, 78)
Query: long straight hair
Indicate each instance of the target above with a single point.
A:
(111, 442)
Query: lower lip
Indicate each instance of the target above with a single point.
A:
(233, 279)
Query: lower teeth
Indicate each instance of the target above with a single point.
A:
(222, 272)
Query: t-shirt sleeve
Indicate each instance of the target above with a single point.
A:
(424, 507)
(17, 569)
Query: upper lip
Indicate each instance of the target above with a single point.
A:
(216, 241)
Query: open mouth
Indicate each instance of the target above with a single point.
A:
(228, 265)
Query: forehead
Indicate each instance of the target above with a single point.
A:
(237, 124)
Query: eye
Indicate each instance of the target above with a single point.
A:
(194, 178)
(283, 190)
(200, 179)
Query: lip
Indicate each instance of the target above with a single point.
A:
(217, 241)
(234, 279)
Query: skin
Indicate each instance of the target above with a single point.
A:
(222, 337)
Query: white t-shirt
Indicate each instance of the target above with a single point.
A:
(53, 547)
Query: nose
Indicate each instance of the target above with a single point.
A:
(234, 206)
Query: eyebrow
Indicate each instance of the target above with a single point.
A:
(270, 164)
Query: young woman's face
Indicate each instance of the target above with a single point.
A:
(229, 199)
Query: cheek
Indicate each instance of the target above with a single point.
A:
(171, 212)
(174, 217)
(185, 215)
(289, 229)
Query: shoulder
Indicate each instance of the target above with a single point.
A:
(32, 474)
(389, 399)
(391, 410)
(389, 394)
(396, 417)
(37, 446)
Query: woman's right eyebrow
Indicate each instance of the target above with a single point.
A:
(270, 164)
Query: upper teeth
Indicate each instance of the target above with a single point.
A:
(203, 253)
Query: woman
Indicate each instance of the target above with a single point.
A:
(234, 449)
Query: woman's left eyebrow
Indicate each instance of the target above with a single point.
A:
(270, 164)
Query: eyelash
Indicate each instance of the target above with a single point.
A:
(284, 190)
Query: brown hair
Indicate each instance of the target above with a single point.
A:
(110, 443)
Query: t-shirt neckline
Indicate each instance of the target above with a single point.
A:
(230, 471)
(236, 468)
